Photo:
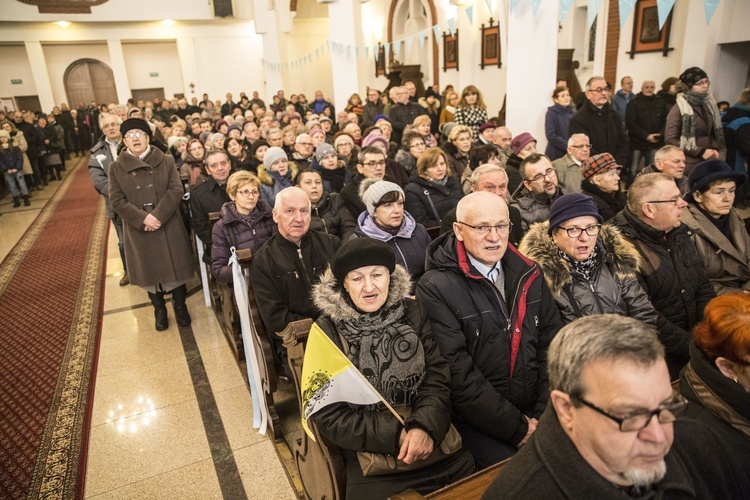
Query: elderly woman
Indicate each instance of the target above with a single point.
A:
(694, 124)
(388, 339)
(347, 151)
(387, 221)
(192, 165)
(276, 173)
(145, 191)
(246, 222)
(422, 124)
(601, 181)
(412, 146)
(589, 268)
(329, 213)
(716, 381)
(718, 231)
(332, 171)
(556, 123)
(433, 191)
(471, 110)
(523, 145)
(457, 149)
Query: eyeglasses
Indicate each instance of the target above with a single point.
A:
(600, 90)
(306, 144)
(417, 145)
(373, 164)
(137, 134)
(637, 421)
(550, 172)
(673, 201)
(484, 230)
(579, 146)
(248, 193)
(575, 232)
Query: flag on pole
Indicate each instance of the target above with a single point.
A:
(329, 377)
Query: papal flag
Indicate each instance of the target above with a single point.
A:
(329, 377)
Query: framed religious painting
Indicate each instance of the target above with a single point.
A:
(380, 61)
(491, 45)
(450, 51)
(647, 37)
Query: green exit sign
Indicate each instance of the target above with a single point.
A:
(17, 81)
(153, 74)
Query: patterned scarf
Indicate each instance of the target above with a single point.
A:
(387, 351)
(583, 268)
(688, 100)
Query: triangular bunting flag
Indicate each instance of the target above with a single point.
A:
(452, 25)
(408, 42)
(356, 51)
(387, 50)
(564, 9)
(710, 6)
(317, 53)
(535, 6)
(397, 48)
(376, 53)
(367, 56)
(626, 7)
(593, 10)
(436, 30)
(513, 5)
(470, 13)
(664, 7)
(489, 5)
(422, 37)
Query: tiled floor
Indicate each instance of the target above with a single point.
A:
(148, 437)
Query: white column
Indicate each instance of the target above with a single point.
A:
(270, 24)
(41, 75)
(345, 18)
(189, 67)
(117, 62)
(532, 67)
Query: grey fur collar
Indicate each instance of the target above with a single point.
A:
(619, 254)
(332, 300)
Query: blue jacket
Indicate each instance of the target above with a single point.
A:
(11, 159)
(736, 122)
(556, 129)
(620, 102)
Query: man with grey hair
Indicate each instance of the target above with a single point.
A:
(598, 437)
(670, 160)
(646, 118)
(493, 317)
(568, 167)
(403, 112)
(284, 270)
(670, 270)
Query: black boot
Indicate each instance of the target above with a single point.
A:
(161, 322)
(16, 203)
(26, 201)
(181, 314)
(58, 168)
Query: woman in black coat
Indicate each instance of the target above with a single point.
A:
(328, 212)
(434, 191)
(362, 299)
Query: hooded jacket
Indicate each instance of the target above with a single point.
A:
(331, 216)
(422, 195)
(613, 287)
(232, 229)
(498, 364)
(271, 183)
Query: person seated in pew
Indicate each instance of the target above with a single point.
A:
(283, 271)
(387, 336)
(493, 318)
(210, 196)
(612, 427)
(329, 214)
(246, 222)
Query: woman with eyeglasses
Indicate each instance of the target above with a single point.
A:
(146, 192)
(433, 191)
(246, 222)
(412, 147)
(716, 381)
(589, 268)
(694, 124)
(601, 181)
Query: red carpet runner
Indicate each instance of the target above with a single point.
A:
(51, 291)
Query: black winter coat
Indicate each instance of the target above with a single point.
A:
(283, 273)
(242, 232)
(604, 128)
(401, 115)
(646, 115)
(609, 205)
(457, 161)
(736, 124)
(498, 364)
(671, 273)
(331, 216)
(514, 174)
(424, 198)
(205, 198)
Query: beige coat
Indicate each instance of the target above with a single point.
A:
(727, 264)
(153, 257)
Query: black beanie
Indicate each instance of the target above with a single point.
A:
(693, 75)
(361, 252)
(135, 124)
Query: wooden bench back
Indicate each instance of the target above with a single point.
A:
(468, 488)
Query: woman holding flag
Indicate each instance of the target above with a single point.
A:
(373, 380)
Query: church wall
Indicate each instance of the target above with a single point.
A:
(15, 66)
(142, 59)
(59, 57)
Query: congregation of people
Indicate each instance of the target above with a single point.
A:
(540, 305)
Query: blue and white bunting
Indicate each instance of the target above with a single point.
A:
(513, 5)
(626, 7)
(452, 25)
(593, 10)
(470, 14)
(710, 6)
(564, 9)
(535, 6)
(436, 30)
(408, 42)
(664, 7)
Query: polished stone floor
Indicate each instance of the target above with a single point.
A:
(153, 434)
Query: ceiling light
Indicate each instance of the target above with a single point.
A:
(63, 24)
(168, 22)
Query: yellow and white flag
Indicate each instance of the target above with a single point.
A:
(329, 377)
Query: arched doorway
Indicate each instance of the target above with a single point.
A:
(407, 18)
(89, 80)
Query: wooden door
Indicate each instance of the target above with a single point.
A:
(87, 80)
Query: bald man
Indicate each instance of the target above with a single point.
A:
(493, 318)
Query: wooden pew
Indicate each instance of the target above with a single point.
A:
(320, 465)
(468, 488)
(433, 231)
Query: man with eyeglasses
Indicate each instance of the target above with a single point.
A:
(209, 196)
(670, 272)
(612, 428)
(493, 318)
(303, 150)
(371, 164)
(599, 120)
(568, 168)
(103, 154)
(539, 189)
